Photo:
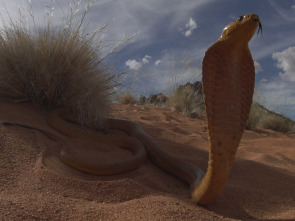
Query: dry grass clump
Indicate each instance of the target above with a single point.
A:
(187, 100)
(255, 116)
(127, 98)
(277, 123)
(56, 66)
(156, 100)
(260, 116)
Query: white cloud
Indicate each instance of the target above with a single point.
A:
(286, 13)
(258, 67)
(127, 16)
(175, 68)
(190, 26)
(146, 59)
(286, 62)
(293, 6)
(144, 17)
(279, 94)
(137, 65)
(133, 65)
(158, 62)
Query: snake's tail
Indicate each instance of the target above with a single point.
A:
(69, 157)
(46, 133)
(183, 170)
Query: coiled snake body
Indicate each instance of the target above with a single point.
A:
(228, 84)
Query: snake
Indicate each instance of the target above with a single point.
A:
(228, 79)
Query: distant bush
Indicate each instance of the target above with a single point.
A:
(261, 117)
(157, 100)
(187, 100)
(255, 116)
(277, 123)
(127, 98)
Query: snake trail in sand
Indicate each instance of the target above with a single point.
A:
(228, 85)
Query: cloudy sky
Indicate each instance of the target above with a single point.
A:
(170, 37)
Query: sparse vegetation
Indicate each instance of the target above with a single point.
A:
(260, 116)
(187, 100)
(157, 100)
(127, 98)
(255, 116)
(55, 66)
(277, 123)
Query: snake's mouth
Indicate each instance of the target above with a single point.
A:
(259, 26)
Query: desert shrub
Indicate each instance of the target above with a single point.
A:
(55, 66)
(260, 116)
(277, 123)
(127, 98)
(157, 100)
(187, 100)
(255, 116)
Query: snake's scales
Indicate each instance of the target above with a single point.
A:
(228, 84)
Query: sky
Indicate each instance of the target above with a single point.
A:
(162, 42)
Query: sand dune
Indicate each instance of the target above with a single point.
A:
(36, 185)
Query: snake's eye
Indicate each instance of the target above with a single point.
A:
(240, 18)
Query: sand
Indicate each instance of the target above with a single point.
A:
(36, 185)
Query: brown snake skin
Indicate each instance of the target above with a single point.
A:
(228, 84)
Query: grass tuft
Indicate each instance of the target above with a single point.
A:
(255, 116)
(187, 100)
(127, 98)
(56, 66)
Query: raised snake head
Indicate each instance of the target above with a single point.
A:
(243, 28)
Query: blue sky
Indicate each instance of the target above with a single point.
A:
(170, 38)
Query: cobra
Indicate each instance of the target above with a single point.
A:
(228, 85)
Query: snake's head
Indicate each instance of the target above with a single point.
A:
(242, 29)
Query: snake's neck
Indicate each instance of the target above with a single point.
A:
(231, 47)
(229, 58)
(227, 80)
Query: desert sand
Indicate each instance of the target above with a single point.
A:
(36, 185)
